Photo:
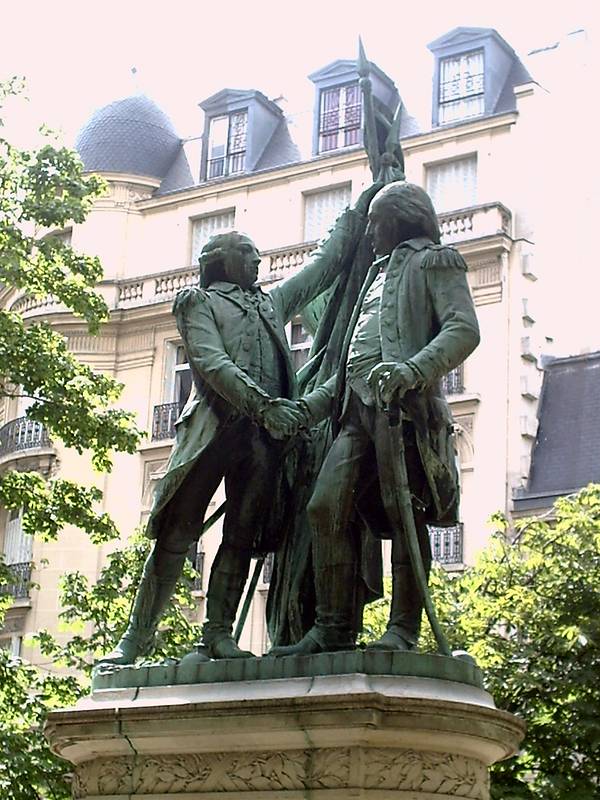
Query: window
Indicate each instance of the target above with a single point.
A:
(18, 552)
(227, 144)
(182, 378)
(196, 556)
(13, 644)
(340, 117)
(17, 545)
(321, 209)
(447, 544)
(63, 236)
(205, 227)
(267, 572)
(300, 343)
(454, 381)
(453, 184)
(461, 87)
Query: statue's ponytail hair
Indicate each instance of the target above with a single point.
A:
(212, 258)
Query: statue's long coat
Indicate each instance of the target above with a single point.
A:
(428, 319)
(218, 326)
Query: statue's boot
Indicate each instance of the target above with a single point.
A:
(405, 613)
(153, 594)
(333, 629)
(227, 580)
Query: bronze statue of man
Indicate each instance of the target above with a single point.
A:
(239, 412)
(414, 322)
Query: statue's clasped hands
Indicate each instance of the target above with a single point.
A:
(388, 380)
(283, 418)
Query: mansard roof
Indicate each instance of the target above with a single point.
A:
(238, 97)
(566, 453)
(132, 135)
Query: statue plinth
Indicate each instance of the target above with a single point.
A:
(352, 735)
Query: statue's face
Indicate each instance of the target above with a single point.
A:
(386, 229)
(241, 262)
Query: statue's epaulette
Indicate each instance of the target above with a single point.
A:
(185, 297)
(439, 256)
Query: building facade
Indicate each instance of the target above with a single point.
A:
(478, 160)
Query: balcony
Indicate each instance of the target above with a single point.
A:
(284, 261)
(458, 227)
(454, 381)
(447, 544)
(475, 222)
(22, 434)
(18, 588)
(163, 421)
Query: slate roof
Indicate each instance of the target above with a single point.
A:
(131, 136)
(518, 75)
(566, 454)
(179, 176)
(280, 149)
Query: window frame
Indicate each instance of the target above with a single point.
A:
(343, 129)
(231, 154)
(477, 93)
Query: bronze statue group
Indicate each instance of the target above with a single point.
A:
(318, 467)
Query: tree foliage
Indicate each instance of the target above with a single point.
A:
(41, 193)
(92, 619)
(529, 612)
(96, 614)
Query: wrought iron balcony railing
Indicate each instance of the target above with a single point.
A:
(267, 571)
(198, 565)
(454, 381)
(22, 434)
(163, 421)
(21, 579)
(447, 544)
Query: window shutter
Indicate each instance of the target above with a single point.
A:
(321, 209)
(208, 226)
(453, 184)
(18, 546)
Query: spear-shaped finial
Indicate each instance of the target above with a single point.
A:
(369, 127)
(362, 63)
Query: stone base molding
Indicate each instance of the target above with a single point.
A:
(334, 737)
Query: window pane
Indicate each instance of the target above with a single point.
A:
(299, 335)
(321, 209)
(238, 126)
(18, 546)
(205, 227)
(183, 386)
(217, 140)
(453, 184)
(461, 87)
(340, 117)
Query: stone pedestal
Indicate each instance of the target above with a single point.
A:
(353, 735)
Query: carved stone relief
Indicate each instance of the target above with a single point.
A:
(153, 471)
(432, 773)
(463, 428)
(388, 769)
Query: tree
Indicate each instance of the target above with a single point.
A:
(95, 615)
(40, 192)
(529, 612)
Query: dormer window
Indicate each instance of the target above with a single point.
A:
(340, 117)
(227, 144)
(461, 87)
